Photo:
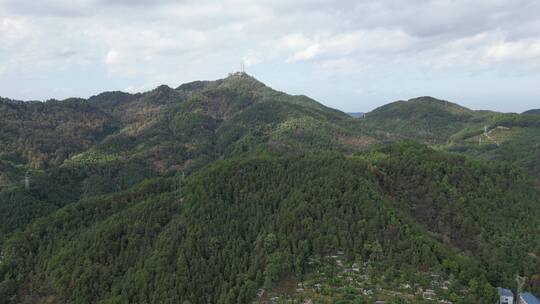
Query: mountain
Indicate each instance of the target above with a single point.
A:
(534, 112)
(248, 222)
(40, 134)
(228, 116)
(356, 114)
(80, 148)
(228, 191)
(489, 135)
(425, 118)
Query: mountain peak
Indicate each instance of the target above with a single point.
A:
(426, 99)
(194, 85)
(428, 118)
(242, 78)
(163, 88)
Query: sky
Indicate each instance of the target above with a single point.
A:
(350, 55)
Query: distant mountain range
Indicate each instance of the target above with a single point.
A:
(535, 112)
(228, 191)
(356, 114)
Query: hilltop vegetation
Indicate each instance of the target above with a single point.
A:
(228, 117)
(532, 112)
(45, 134)
(214, 190)
(489, 135)
(427, 119)
(113, 140)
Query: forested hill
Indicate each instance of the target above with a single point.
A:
(42, 134)
(198, 121)
(189, 126)
(79, 148)
(425, 118)
(533, 112)
(247, 223)
(490, 135)
(215, 190)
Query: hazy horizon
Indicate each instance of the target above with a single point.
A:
(349, 55)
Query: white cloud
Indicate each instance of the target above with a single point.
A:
(13, 30)
(341, 67)
(193, 10)
(119, 65)
(382, 41)
(112, 57)
(121, 42)
(377, 40)
(523, 50)
(336, 64)
(485, 50)
(294, 41)
(306, 54)
(251, 58)
(149, 41)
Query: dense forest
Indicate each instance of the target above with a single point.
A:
(216, 190)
